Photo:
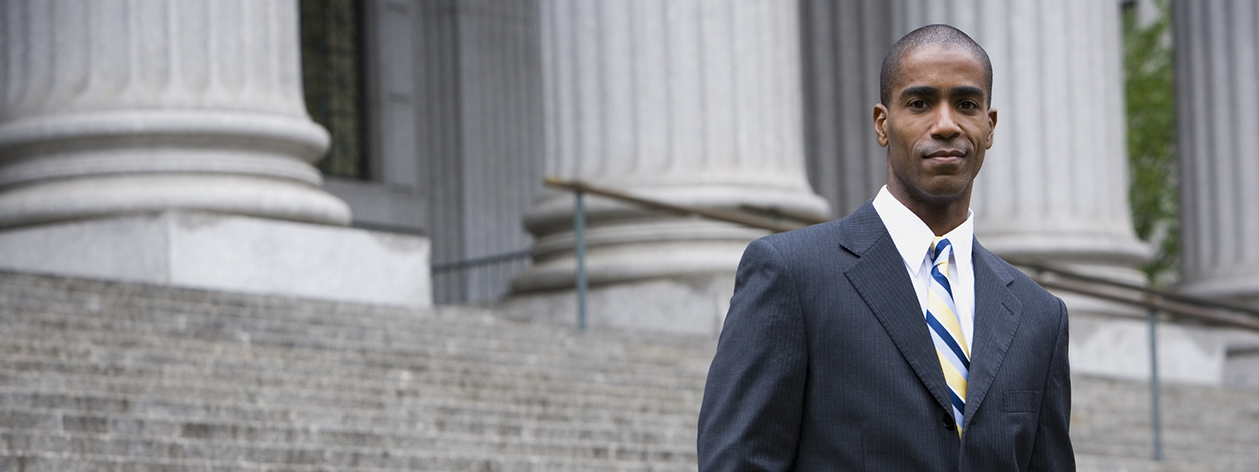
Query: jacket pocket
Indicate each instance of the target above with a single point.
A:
(1022, 401)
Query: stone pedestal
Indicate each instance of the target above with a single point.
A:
(695, 103)
(1120, 348)
(228, 253)
(1217, 132)
(112, 109)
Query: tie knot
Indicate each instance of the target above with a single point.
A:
(940, 247)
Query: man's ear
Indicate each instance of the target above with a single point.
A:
(992, 126)
(880, 124)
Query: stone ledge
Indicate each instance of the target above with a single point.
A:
(690, 306)
(229, 253)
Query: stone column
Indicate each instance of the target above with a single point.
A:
(167, 142)
(1217, 132)
(482, 138)
(690, 102)
(1055, 183)
(843, 47)
(116, 107)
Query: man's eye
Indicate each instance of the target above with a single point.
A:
(918, 103)
(968, 105)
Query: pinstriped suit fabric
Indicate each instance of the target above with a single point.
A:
(825, 363)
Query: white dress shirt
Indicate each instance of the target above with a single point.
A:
(913, 240)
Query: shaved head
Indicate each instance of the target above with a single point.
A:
(930, 35)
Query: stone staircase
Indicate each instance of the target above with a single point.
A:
(98, 376)
(1204, 429)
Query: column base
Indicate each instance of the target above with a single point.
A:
(229, 253)
(687, 305)
(1239, 285)
(1084, 304)
(1120, 348)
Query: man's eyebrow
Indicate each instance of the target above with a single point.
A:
(967, 90)
(920, 91)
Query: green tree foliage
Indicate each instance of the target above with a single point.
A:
(1151, 139)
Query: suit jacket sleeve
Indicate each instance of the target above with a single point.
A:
(753, 399)
(1052, 450)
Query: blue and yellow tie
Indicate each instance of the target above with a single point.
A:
(946, 329)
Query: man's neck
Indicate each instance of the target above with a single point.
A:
(940, 216)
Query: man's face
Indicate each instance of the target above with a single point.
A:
(936, 127)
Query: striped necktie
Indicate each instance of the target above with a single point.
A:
(946, 329)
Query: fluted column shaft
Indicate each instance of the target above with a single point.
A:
(844, 45)
(694, 102)
(113, 107)
(1217, 98)
(1054, 185)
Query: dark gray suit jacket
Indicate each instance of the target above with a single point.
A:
(825, 363)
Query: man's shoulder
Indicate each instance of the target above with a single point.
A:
(859, 228)
(796, 250)
(807, 236)
(1023, 286)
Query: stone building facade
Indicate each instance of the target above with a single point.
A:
(168, 142)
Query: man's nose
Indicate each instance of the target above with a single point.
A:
(945, 126)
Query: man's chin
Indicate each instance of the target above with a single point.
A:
(944, 194)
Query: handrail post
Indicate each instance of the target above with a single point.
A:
(1156, 420)
(579, 244)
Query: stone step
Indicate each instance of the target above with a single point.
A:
(448, 413)
(436, 408)
(532, 338)
(685, 373)
(1105, 463)
(421, 455)
(679, 438)
(1105, 403)
(452, 416)
(1182, 445)
(97, 298)
(37, 462)
(474, 380)
(1118, 422)
(587, 352)
(56, 462)
(417, 424)
(574, 407)
(74, 429)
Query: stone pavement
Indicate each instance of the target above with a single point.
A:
(99, 376)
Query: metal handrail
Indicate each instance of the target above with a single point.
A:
(1204, 310)
(720, 214)
(480, 261)
(1163, 294)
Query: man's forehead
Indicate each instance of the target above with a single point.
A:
(932, 64)
(933, 57)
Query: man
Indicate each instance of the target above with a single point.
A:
(890, 340)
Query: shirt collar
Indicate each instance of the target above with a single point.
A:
(913, 238)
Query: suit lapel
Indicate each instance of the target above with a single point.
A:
(997, 315)
(880, 278)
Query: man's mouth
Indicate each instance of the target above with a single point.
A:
(946, 156)
(947, 153)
